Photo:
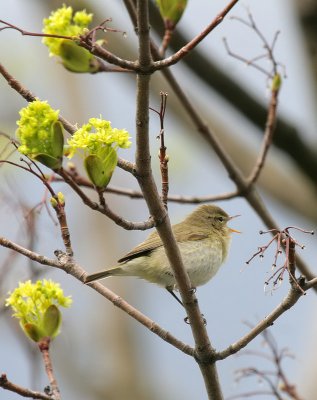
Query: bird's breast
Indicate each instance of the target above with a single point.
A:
(202, 260)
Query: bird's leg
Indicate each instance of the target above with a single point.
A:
(170, 290)
(186, 319)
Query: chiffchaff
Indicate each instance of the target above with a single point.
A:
(203, 239)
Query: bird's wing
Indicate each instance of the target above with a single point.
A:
(153, 242)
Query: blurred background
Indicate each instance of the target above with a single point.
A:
(102, 353)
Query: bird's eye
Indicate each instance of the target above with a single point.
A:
(220, 219)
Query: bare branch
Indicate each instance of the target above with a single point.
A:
(22, 391)
(104, 209)
(65, 263)
(274, 78)
(244, 189)
(194, 42)
(136, 194)
(289, 301)
(276, 378)
(58, 205)
(284, 242)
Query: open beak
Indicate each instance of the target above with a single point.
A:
(231, 229)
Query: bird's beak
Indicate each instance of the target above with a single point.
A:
(231, 229)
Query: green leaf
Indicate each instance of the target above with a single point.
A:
(51, 321)
(172, 10)
(48, 161)
(32, 331)
(100, 170)
(57, 140)
(76, 58)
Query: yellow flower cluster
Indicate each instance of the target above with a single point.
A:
(95, 136)
(30, 300)
(35, 125)
(63, 22)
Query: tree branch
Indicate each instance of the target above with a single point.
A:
(65, 263)
(22, 391)
(103, 208)
(185, 50)
(289, 301)
(29, 96)
(137, 194)
(268, 137)
(203, 348)
(243, 188)
(288, 138)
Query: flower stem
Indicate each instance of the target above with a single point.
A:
(44, 346)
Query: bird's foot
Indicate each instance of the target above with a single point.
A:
(186, 320)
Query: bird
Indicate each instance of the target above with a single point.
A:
(203, 238)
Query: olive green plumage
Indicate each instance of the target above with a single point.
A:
(203, 239)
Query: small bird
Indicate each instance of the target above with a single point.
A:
(203, 239)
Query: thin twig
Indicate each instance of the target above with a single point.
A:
(44, 346)
(29, 254)
(168, 34)
(59, 207)
(22, 391)
(275, 378)
(104, 209)
(176, 57)
(289, 301)
(274, 78)
(243, 187)
(163, 157)
(284, 241)
(29, 96)
(245, 60)
(85, 41)
(137, 194)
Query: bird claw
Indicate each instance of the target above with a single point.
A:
(186, 320)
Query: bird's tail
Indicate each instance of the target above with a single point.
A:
(103, 274)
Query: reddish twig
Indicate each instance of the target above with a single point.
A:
(284, 242)
(44, 346)
(168, 33)
(163, 157)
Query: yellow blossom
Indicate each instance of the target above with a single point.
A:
(36, 307)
